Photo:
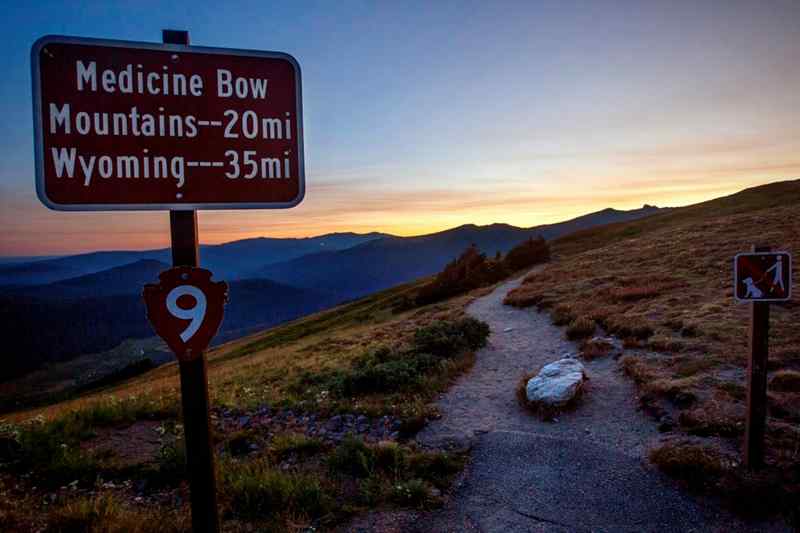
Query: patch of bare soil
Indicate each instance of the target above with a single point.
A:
(136, 444)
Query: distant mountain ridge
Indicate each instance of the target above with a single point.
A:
(232, 260)
(125, 279)
(390, 261)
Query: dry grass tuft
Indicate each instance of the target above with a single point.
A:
(581, 328)
(594, 349)
(785, 381)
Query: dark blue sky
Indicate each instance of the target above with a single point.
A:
(425, 115)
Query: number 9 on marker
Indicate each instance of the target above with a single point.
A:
(186, 309)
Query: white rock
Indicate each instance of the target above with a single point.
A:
(556, 383)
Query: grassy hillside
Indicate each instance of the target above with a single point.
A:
(284, 401)
(665, 285)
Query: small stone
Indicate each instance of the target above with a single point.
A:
(508, 330)
(557, 383)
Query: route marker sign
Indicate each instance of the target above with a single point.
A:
(141, 126)
(763, 276)
(186, 309)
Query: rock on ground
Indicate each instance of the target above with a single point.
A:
(557, 383)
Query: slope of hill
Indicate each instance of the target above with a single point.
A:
(232, 260)
(85, 318)
(382, 263)
(664, 284)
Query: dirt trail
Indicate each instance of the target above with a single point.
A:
(523, 341)
(584, 472)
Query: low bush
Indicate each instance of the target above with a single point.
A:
(697, 465)
(469, 271)
(527, 254)
(105, 513)
(413, 493)
(447, 339)
(352, 457)
(563, 315)
(390, 458)
(580, 328)
(629, 327)
(472, 270)
(295, 443)
(386, 370)
(785, 381)
(438, 468)
(592, 349)
(257, 491)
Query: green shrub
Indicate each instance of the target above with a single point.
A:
(371, 490)
(352, 457)
(391, 458)
(385, 370)
(370, 376)
(438, 468)
(448, 339)
(106, 513)
(258, 491)
(413, 493)
(171, 460)
(286, 444)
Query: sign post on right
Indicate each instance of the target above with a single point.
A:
(760, 278)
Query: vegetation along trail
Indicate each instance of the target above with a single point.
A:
(586, 470)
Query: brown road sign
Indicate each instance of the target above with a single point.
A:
(763, 277)
(186, 309)
(129, 126)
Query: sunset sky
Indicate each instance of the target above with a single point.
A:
(420, 116)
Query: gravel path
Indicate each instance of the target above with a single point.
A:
(522, 341)
(583, 472)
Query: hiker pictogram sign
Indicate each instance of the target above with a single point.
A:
(186, 309)
(763, 276)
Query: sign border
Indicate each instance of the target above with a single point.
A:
(38, 139)
(736, 278)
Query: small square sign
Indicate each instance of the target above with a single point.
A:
(763, 277)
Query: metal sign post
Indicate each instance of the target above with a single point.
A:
(756, 417)
(760, 277)
(194, 375)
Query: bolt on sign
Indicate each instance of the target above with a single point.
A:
(130, 126)
(763, 277)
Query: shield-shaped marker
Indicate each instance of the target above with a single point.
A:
(186, 308)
